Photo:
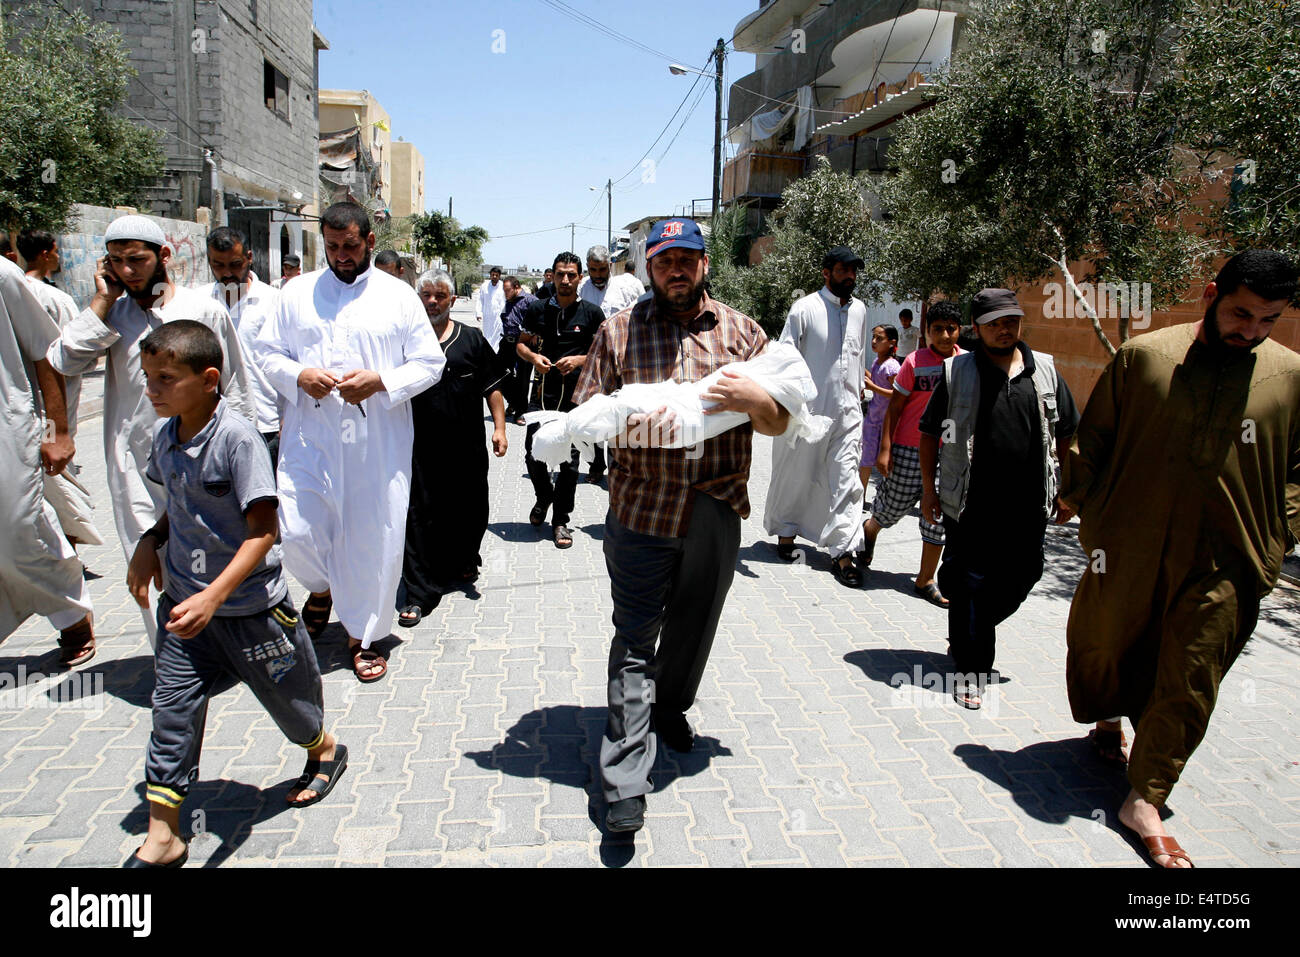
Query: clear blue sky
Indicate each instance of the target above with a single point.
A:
(517, 137)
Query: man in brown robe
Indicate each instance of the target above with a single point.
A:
(1185, 471)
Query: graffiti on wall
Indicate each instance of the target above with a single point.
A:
(82, 248)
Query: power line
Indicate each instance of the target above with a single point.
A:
(685, 119)
(548, 229)
(635, 165)
(565, 10)
(885, 49)
(925, 46)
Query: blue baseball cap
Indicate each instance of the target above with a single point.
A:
(683, 233)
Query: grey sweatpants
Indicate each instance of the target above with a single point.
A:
(669, 591)
(270, 652)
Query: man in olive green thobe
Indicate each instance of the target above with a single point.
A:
(1185, 472)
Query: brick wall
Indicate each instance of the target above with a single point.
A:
(1079, 354)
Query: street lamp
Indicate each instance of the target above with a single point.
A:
(718, 55)
(609, 221)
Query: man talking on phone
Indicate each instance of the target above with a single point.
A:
(133, 296)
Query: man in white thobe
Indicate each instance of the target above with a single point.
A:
(250, 303)
(815, 492)
(39, 571)
(133, 296)
(347, 348)
(488, 306)
(71, 499)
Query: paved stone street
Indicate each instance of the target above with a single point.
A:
(480, 745)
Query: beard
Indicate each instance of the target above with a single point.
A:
(997, 350)
(680, 301)
(350, 276)
(842, 290)
(1215, 338)
(152, 288)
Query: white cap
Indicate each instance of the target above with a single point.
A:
(135, 227)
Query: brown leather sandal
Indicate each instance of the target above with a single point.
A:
(368, 658)
(1164, 844)
(77, 644)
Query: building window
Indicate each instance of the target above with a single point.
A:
(275, 89)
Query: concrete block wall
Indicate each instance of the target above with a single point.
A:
(83, 245)
(225, 62)
(258, 143)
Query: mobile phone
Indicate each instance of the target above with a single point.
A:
(110, 275)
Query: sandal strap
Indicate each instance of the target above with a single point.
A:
(1162, 844)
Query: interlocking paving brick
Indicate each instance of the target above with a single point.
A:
(480, 746)
(767, 832)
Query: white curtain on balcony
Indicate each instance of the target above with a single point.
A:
(766, 125)
(803, 123)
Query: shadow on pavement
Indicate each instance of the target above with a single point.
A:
(223, 809)
(519, 531)
(130, 679)
(561, 743)
(899, 667)
(1054, 781)
(46, 662)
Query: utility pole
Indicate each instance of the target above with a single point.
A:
(571, 239)
(719, 54)
(609, 220)
(449, 207)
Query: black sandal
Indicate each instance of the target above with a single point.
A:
(538, 514)
(847, 575)
(786, 552)
(931, 594)
(135, 861)
(316, 615)
(409, 616)
(308, 781)
(563, 536)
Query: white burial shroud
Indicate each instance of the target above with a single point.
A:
(780, 371)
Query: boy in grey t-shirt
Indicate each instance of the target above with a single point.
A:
(224, 614)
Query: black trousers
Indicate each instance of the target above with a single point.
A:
(989, 567)
(669, 593)
(562, 493)
(515, 389)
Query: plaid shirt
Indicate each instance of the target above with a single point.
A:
(651, 490)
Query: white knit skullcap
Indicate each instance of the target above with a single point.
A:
(135, 227)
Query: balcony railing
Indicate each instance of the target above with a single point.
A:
(760, 175)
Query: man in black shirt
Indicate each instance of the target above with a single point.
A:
(554, 336)
(1005, 419)
(547, 288)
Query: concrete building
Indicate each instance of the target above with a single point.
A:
(231, 85)
(408, 179)
(830, 81)
(343, 109)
